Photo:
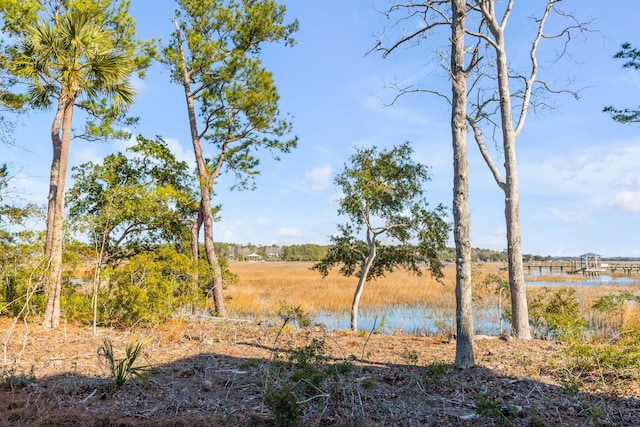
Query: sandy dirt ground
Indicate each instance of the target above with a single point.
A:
(218, 373)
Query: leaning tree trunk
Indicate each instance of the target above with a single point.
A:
(464, 307)
(363, 278)
(60, 137)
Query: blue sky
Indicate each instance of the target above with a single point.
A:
(579, 170)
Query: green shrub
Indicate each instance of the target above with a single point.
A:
(556, 315)
(284, 406)
(436, 370)
(154, 286)
(621, 357)
(17, 380)
(609, 312)
(486, 406)
(20, 274)
(289, 313)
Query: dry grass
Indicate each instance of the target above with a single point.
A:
(264, 287)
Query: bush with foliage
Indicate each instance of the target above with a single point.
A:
(556, 315)
(154, 286)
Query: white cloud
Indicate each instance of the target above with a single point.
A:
(290, 232)
(628, 201)
(568, 216)
(493, 239)
(607, 175)
(181, 153)
(319, 178)
(87, 153)
(263, 220)
(336, 198)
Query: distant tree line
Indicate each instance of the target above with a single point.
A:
(315, 252)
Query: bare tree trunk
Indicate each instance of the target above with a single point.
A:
(465, 357)
(512, 121)
(60, 137)
(212, 257)
(519, 310)
(520, 315)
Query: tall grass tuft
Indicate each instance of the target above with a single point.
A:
(122, 370)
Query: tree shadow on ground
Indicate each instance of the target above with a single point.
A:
(313, 383)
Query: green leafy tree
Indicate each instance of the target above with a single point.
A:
(633, 56)
(4, 176)
(304, 252)
(131, 204)
(384, 195)
(133, 201)
(72, 54)
(231, 98)
(21, 261)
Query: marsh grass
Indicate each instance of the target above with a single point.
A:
(264, 287)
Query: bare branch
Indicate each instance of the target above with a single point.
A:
(430, 14)
(477, 133)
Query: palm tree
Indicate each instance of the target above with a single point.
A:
(64, 61)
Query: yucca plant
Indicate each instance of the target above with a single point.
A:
(122, 370)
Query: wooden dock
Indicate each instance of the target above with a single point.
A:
(575, 267)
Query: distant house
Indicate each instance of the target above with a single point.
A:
(253, 257)
(273, 256)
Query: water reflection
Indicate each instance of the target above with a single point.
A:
(429, 321)
(413, 320)
(603, 279)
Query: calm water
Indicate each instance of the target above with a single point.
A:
(412, 320)
(604, 279)
(426, 320)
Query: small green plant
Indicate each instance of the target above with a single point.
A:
(296, 314)
(122, 370)
(306, 360)
(410, 356)
(382, 324)
(343, 368)
(284, 406)
(17, 380)
(250, 364)
(436, 370)
(486, 406)
(621, 358)
(570, 388)
(367, 383)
